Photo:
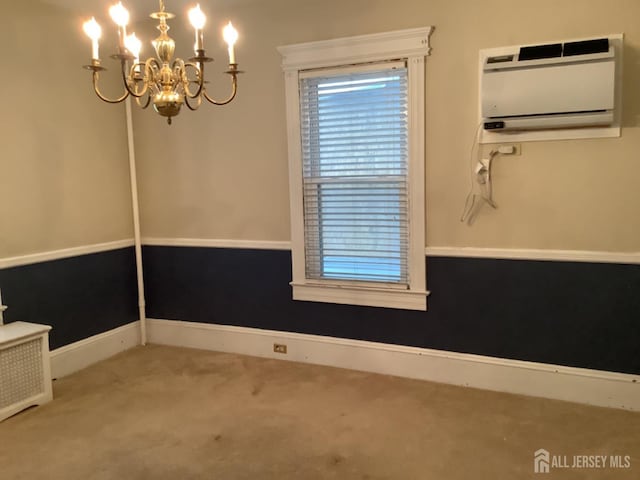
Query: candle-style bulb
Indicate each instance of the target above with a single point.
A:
(133, 44)
(92, 29)
(197, 17)
(119, 14)
(230, 34)
(198, 20)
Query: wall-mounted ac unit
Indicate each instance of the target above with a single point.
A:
(559, 85)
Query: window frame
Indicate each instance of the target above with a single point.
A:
(412, 46)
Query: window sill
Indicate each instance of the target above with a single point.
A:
(363, 296)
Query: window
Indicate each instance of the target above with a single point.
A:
(354, 157)
(355, 116)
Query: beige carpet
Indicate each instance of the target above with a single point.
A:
(171, 413)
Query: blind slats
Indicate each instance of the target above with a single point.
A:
(354, 151)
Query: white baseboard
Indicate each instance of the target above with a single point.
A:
(593, 387)
(79, 355)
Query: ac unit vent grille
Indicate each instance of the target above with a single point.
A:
(21, 372)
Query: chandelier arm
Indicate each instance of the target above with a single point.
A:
(179, 74)
(179, 68)
(132, 92)
(153, 63)
(199, 80)
(154, 67)
(102, 97)
(234, 90)
(128, 79)
(191, 107)
(145, 104)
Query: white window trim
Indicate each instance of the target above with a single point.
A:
(412, 45)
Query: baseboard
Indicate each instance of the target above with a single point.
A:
(593, 387)
(78, 355)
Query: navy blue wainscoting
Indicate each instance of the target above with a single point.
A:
(78, 296)
(575, 314)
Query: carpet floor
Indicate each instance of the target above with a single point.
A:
(171, 413)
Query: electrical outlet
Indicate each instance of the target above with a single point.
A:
(517, 148)
(279, 348)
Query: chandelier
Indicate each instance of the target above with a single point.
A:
(165, 82)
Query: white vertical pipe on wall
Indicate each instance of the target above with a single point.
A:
(2, 309)
(136, 224)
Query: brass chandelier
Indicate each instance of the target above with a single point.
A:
(163, 81)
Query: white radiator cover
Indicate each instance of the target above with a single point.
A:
(25, 371)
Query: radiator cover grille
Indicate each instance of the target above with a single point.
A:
(25, 370)
(21, 372)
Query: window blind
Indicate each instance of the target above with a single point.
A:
(354, 132)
